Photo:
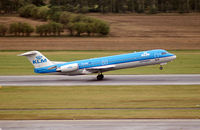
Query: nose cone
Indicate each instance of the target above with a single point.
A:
(173, 57)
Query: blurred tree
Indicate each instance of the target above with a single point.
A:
(19, 29)
(3, 30)
(104, 6)
(38, 2)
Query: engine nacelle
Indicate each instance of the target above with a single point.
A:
(68, 68)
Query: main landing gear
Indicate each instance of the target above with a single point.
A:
(161, 67)
(100, 76)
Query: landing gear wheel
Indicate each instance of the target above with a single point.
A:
(161, 68)
(100, 77)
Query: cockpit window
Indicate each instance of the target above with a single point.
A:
(164, 53)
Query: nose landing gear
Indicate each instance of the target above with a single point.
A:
(161, 65)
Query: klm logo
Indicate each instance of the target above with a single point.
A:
(145, 54)
(39, 59)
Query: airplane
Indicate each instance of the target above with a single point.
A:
(43, 65)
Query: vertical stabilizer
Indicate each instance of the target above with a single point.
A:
(37, 59)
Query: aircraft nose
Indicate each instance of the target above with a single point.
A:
(173, 57)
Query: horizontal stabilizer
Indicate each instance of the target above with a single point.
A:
(28, 53)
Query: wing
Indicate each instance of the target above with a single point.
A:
(101, 68)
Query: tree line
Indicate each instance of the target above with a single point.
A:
(106, 6)
(76, 25)
(124, 6)
(12, 6)
(26, 29)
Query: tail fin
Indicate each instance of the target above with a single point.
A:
(37, 59)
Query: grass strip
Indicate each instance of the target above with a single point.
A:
(59, 97)
(100, 114)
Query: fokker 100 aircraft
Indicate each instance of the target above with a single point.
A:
(98, 65)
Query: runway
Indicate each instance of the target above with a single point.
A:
(146, 124)
(57, 80)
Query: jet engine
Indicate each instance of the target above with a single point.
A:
(68, 68)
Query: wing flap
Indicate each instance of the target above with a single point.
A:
(101, 68)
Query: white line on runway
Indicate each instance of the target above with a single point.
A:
(142, 124)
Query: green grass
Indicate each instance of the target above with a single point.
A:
(99, 114)
(187, 62)
(99, 97)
